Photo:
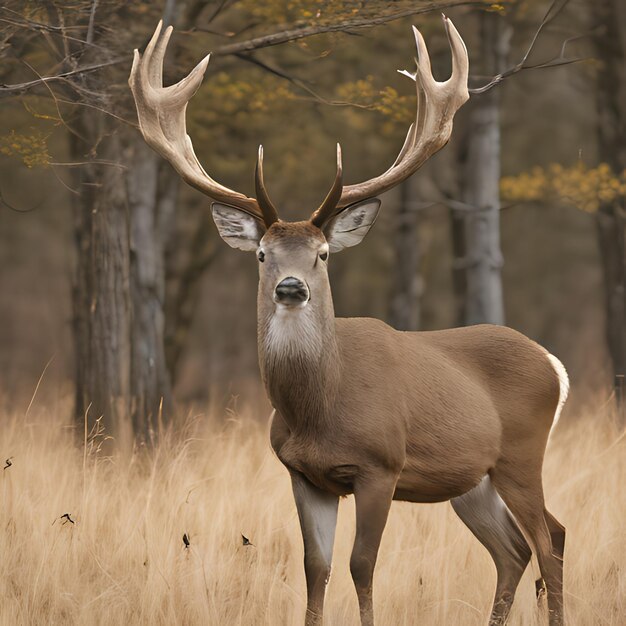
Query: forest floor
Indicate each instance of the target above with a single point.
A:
(122, 560)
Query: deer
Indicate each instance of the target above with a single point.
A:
(460, 415)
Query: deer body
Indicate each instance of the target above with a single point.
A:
(461, 415)
(465, 387)
(360, 408)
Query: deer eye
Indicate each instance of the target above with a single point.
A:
(261, 256)
(323, 256)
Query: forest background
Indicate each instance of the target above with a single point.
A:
(113, 278)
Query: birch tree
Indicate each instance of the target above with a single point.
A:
(480, 180)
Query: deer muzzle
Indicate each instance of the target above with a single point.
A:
(291, 292)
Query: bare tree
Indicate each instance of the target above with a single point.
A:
(124, 204)
(475, 228)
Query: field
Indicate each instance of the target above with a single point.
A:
(122, 560)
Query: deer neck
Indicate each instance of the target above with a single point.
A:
(299, 361)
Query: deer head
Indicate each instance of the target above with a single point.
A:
(293, 256)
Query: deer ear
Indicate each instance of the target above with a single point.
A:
(348, 227)
(237, 227)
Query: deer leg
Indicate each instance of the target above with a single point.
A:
(526, 502)
(373, 500)
(317, 511)
(485, 514)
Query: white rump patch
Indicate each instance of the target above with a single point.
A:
(561, 372)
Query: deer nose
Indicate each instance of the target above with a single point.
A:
(291, 290)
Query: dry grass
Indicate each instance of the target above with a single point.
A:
(124, 562)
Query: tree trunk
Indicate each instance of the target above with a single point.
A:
(611, 218)
(459, 278)
(102, 303)
(480, 185)
(152, 189)
(408, 283)
(123, 218)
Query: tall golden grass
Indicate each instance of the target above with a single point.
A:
(123, 561)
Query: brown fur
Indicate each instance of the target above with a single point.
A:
(295, 233)
(481, 391)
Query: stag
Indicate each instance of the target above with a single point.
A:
(460, 415)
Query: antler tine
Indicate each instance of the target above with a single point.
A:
(327, 208)
(270, 214)
(161, 114)
(460, 58)
(155, 53)
(423, 67)
(437, 104)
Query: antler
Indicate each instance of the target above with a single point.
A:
(161, 112)
(268, 208)
(436, 105)
(329, 205)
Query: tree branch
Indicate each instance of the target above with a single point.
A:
(256, 43)
(41, 27)
(554, 9)
(19, 88)
(297, 82)
(294, 34)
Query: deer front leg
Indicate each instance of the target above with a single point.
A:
(373, 500)
(317, 511)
